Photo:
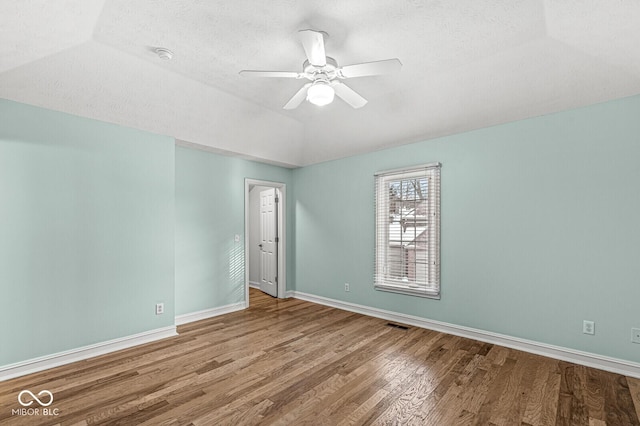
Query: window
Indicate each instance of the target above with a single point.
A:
(407, 258)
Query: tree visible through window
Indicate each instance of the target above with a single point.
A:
(408, 231)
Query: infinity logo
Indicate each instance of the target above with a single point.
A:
(42, 392)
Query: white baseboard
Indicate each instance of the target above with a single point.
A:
(61, 358)
(290, 293)
(254, 284)
(614, 365)
(209, 313)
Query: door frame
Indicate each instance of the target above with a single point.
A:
(282, 231)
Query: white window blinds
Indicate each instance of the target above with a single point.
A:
(407, 252)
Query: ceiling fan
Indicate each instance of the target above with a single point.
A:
(324, 74)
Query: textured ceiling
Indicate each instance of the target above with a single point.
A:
(466, 64)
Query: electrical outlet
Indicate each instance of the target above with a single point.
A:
(159, 308)
(236, 238)
(588, 327)
(346, 287)
(635, 335)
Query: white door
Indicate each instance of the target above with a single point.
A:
(269, 242)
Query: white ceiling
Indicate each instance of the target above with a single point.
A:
(467, 64)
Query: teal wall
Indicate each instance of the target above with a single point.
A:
(209, 212)
(86, 231)
(540, 228)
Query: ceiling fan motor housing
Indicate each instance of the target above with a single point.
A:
(327, 72)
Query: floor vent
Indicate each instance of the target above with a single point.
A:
(401, 327)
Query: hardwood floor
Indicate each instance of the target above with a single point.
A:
(290, 362)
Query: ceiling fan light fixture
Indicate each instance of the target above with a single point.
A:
(320, 93)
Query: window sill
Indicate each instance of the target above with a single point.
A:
(408, 291)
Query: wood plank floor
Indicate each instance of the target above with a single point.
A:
(290, 362)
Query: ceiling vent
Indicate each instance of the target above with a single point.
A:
(164, 54)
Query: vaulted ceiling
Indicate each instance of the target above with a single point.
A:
(466, 65)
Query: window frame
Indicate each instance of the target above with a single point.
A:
(430, 287)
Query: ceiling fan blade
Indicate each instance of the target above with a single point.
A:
(387, 66)
(297, 99)
(348, 95)
(277, 74)
(313, 43)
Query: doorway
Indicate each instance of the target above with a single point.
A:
(265, 237)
